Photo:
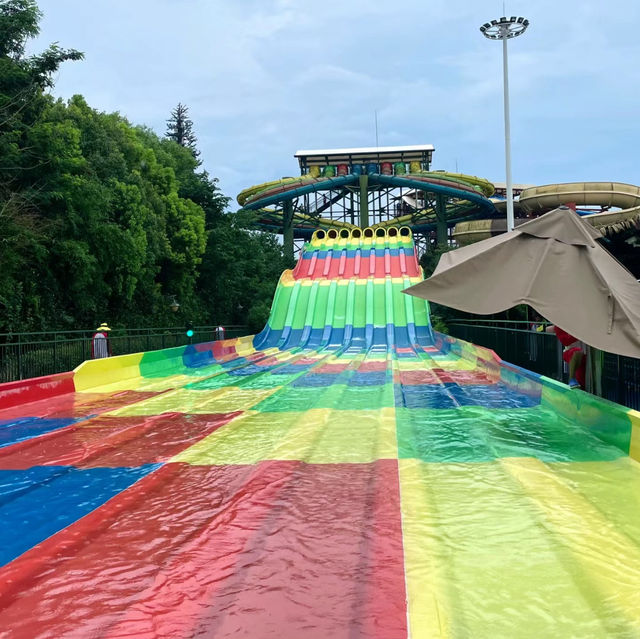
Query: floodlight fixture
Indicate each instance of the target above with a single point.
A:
(504, 28)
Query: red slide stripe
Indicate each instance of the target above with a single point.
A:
(77, 404)
(30, 390)
(114, 442)
(192, 555)
(463, 377)
(348, 267)
(415, 378)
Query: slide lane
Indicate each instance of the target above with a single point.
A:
(362, 477)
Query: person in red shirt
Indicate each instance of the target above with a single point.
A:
(573, 354)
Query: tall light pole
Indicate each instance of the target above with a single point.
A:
(503, 29)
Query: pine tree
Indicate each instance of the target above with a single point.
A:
(180, 129)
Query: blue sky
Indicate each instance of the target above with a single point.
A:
(264, 78)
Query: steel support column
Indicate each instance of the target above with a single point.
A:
(441, 219)
(287, 230)
(364, 201)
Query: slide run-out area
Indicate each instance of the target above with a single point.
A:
(346, 473)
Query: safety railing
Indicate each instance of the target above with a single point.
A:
(514, 341)
(615, 377)
(621, 380)
(24, 355)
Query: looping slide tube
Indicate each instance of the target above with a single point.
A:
(539, 199)
(296, 189)
(252, 191)
(272, 217)
(437, 185)
(543, 198)
(483, 185)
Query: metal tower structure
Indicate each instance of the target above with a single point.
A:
(368, 187)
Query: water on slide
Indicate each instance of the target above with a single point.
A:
(345, 473)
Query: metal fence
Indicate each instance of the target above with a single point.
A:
(515, 342)
(24, 355)
(621, 380)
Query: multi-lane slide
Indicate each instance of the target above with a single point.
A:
(345, 473)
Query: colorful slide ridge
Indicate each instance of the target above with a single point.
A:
(345, 473)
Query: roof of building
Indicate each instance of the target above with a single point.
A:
(321, 157)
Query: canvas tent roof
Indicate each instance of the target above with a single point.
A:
(555, 265)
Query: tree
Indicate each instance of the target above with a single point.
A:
(180, 129)
(101, 220)
(24, 230)
(240, 272)
(440, 315)
(197, 186)
(23, 79)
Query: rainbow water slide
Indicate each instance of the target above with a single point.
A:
(345, 473)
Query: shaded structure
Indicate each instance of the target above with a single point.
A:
(555, 265)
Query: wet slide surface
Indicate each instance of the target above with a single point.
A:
(357, 477)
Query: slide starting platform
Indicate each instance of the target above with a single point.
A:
(348, 472)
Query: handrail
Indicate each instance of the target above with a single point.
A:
(24, 355)
(497, 321)
(52, 335)
(501, 328)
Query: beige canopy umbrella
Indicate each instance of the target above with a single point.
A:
(555, 265)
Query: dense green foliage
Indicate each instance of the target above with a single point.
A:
(443, 316)
(440, 315)
(101, 220)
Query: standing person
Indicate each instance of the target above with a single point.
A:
(100, 345)
(220, 332)
(573, 354)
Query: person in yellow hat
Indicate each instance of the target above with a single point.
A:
(100, 345)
